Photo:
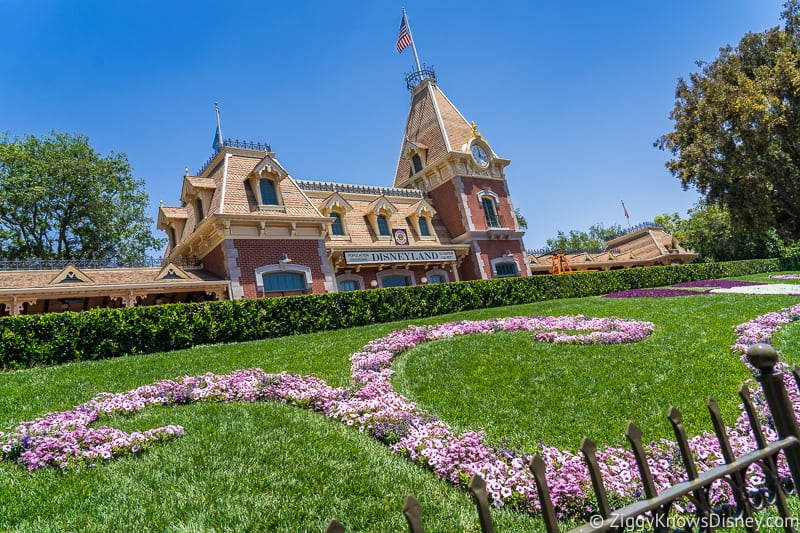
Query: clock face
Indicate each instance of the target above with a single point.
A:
(480, 155)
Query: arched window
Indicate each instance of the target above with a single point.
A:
(395, 281)
(417, 162)
(198, 204)
(424, 230)
(383, 225)
(490, 211)
(284, 282)
(506, 269)
(348, 285)
(337, 227)
(268, 194)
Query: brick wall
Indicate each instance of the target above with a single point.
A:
(494, 249)
(472, 186)
(254, 253)
(447, 203)
(214, 262)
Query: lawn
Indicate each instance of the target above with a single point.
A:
(271, 466)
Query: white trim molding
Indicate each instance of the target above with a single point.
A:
(282, 267)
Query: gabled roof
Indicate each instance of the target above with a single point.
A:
(165, 214)
(433, 122)
(335, 201)
(194, 184)
(71, 274)
(419, 208)
(171, 271)
(381, 204)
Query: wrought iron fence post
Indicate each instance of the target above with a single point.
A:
(764, 357)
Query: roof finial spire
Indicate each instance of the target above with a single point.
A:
(218, 142)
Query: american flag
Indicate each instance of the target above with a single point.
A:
(404, 38)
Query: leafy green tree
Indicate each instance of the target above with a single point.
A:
(521, 222)
(737, 125)
(709, 232)
(593, 240)
(60, 200)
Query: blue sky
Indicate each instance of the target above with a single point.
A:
(573, 93)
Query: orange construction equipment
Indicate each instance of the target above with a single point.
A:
(560, 264)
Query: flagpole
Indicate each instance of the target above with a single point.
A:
(411, 35)
(625, 210)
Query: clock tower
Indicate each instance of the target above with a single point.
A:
(446, 157)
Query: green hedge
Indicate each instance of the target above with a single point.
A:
(50, 339)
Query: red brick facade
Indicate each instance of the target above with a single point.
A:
(453, 215)
(256, 253)
(214, 262)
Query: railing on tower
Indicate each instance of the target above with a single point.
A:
(236, 143)
(414, 78)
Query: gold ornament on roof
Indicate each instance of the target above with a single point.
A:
(475, 133)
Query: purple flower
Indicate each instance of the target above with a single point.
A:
(372, 406)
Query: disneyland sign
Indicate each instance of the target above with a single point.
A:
(420, 256)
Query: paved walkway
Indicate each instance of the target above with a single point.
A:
(767, 288)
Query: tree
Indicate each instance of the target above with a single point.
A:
(737, 125)
(521, 222)
(709, 232)
(60, 200)
(593, 240)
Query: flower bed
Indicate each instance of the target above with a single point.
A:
(371, 405)
(785, 276)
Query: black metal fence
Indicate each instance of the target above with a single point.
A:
(111, 262)
(653, 512)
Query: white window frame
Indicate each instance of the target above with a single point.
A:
(350, 277)
(437, 272)
(396, 272)
(283, 267)
(504, 260)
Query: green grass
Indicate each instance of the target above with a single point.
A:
(274, 467)
(558, 394)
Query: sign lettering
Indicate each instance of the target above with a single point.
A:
(417, 256)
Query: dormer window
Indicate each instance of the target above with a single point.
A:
(336, 208)
(424, 230)
(379, 213)
(415, 152)
(383, 225)
(416, 162)
(173, 238)
(198, 205)
(265, 185)
(269, 196)
(337, 226)
(419, 217)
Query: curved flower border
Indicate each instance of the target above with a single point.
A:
(371, 405)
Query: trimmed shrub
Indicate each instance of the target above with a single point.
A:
(56, 338)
